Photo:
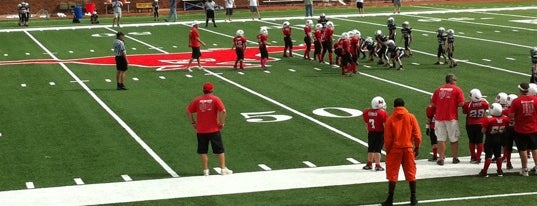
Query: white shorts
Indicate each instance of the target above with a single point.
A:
(117, 14)
(447, 129)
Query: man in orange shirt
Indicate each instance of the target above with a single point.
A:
(402, 139)
(195, 42)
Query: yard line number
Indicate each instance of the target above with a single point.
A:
(271, 116)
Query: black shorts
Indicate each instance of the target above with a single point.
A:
(493, 146)
(196, 52)
(229, 11)
(360, 5)
(121, 63)
(432, 137)
(264, 52)
(288, 42)
(240, 54)
(317, 47)
(327, 46)
(209, 14)
(474, 133)
(526, 141)
(375, 141)
(215, 139)
(307, 41)
(509, 138)
(338, 51)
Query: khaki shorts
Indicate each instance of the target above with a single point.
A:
(447, 129)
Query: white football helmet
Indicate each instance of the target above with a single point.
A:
(323, 15)
(406, 24)
(510, 99)
(240, 32)
(344, 35)
(351, 33)
(390, 20)
(263, 30)
(369, 40)
(475, 95)
(390, 43)
(496, 109)
(286, 24)
(533, 50)
(19, 5)
(501, 98)
(357, 33)
(441, 29)
(378, 103)
(450, 32)
(309, 22)
(378, 33)
(318, 26)
(329, 24)
(532, 91)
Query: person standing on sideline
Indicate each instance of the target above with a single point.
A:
(447, 99)
(475, 111)
(116, 5)
(194, 42)
(402, 139)
(308, 5)
(121, 61)
(533, 56)
(429, 112)
(360, 6)
(155, 11)
(374, 118)
(172, 16)
(210, 119)
(397, 6)
(209, 12)
(524, 110)
(230, 4)
(253, 9)
(494, 127)
(239, 44)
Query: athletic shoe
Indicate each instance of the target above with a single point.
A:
(509, 166)
(440, 162)
(189, 69)
(500, 173)
(482, 173)
(367, 167)
(456, 161)
(413, 200)
(432, 159)
(227, 171)
(379, 168)
(475, 161)
(206, 173)
(524, 172)
(534, 170)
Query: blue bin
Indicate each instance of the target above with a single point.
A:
(79, 12)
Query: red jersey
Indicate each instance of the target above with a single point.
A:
(318, 35)
(429, 112)
(446, 99)
(345, 46)
(375, 119)
(475, 111)
(524, 109)
(262, 40)
(307, 31)
(193, 38)
(355, 43)
(239, 42)
(495, 125)
(286, 31)
(207, 107)
(327, 34)
(507, 112)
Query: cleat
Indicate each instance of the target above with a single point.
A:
(367, 167)
(437, 63)
(499, 172)
(433, 159)
(206, 173)
(482, 173)
(227, 171)
(189, 69)
(379, 168)
(440, 162)
(456, 161)
(509, 166)
(524, 172)
(534, 170)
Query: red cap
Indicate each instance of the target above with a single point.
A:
(208, 86)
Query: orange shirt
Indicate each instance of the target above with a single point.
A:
(401, 130)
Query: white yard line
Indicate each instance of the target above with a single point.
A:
(116, 117)
(479, 12)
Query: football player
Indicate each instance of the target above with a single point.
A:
(307, 38)
(392, 28)
(326, 41)
(94, 19)
(317, 44)
(475, 111)
(533, 54)
(407, 37)
(286, 30)
(451, 47)
(441, 37)
(395, 54)
(322, 20)
(494, 128)
(509, 131)
(354, 49)
(375, 118)
(24, 13)
(345, 44)
(430, 112)
(262, 41)
(369, 46)
(239, 44)
(380, 50)
(338, 47)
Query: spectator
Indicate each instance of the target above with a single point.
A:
(230, 4)
(254, 10)
(524, 109)
(209, 12)
(156, 15)
(308, 4)
(173, 11)
(117, 5)
(397, 6)
(360, 6)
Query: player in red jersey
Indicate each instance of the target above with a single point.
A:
(308, 38)
(374, 119)
(317, 44)
(510, 130)
(475, 111)
(346, 58)
(239, 44)
(524, 109)
(494, 128)
(429, 112)
(262, 41)
(338, 47)
(354, 49)
(326, 41)
(286, 30)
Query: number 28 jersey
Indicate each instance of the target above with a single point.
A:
(375, 119)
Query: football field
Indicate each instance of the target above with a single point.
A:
(294, 133)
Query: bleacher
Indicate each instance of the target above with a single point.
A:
(140, 7)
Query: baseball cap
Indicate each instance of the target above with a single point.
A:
(524, 87)
(208, 86)
(195, 22)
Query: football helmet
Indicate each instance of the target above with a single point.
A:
(351, 33)
(496, 109)
(323, 15)
(441, 30)
(406, 24)
(378, 103)
(19, 5)
(475, 95)
(263, 30)
(344, 35)
(240, 32)
(309, 22)
(532, 91)
(286, 24)
(357, 33)
(390, 43)
(329, 24)
(369, 40)
(501, 98)
(510, 99)
(318, 26)
(533, 51)
(450, 32)
(378, 33)
(390, 20)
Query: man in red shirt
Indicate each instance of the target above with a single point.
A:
(210, 118)
(239, 44)
(195, 42)
(447, 99)
(374, 118)
(475, 111)
(524, 110)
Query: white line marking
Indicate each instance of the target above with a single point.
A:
(510, 58)
(135, 79)
(241, 73)
(108, 80)
(309, 164)
(415, 63)
(133, 48)
(91, 50)
(292, 70)
(74, 81)
(188, 75)
(264, 167)
(267, 71)
(27, 54)
(162, 77)
(479, 32)
(487, 60)
(317, 69)
(79, 181)
(52, 83)
(353, 161)
(126, 178)
(0, 134)
(23, 85)
(5, 55)
(207, 74)
(30, 185)
(70, 52)
(120, 121)
(367, 66)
